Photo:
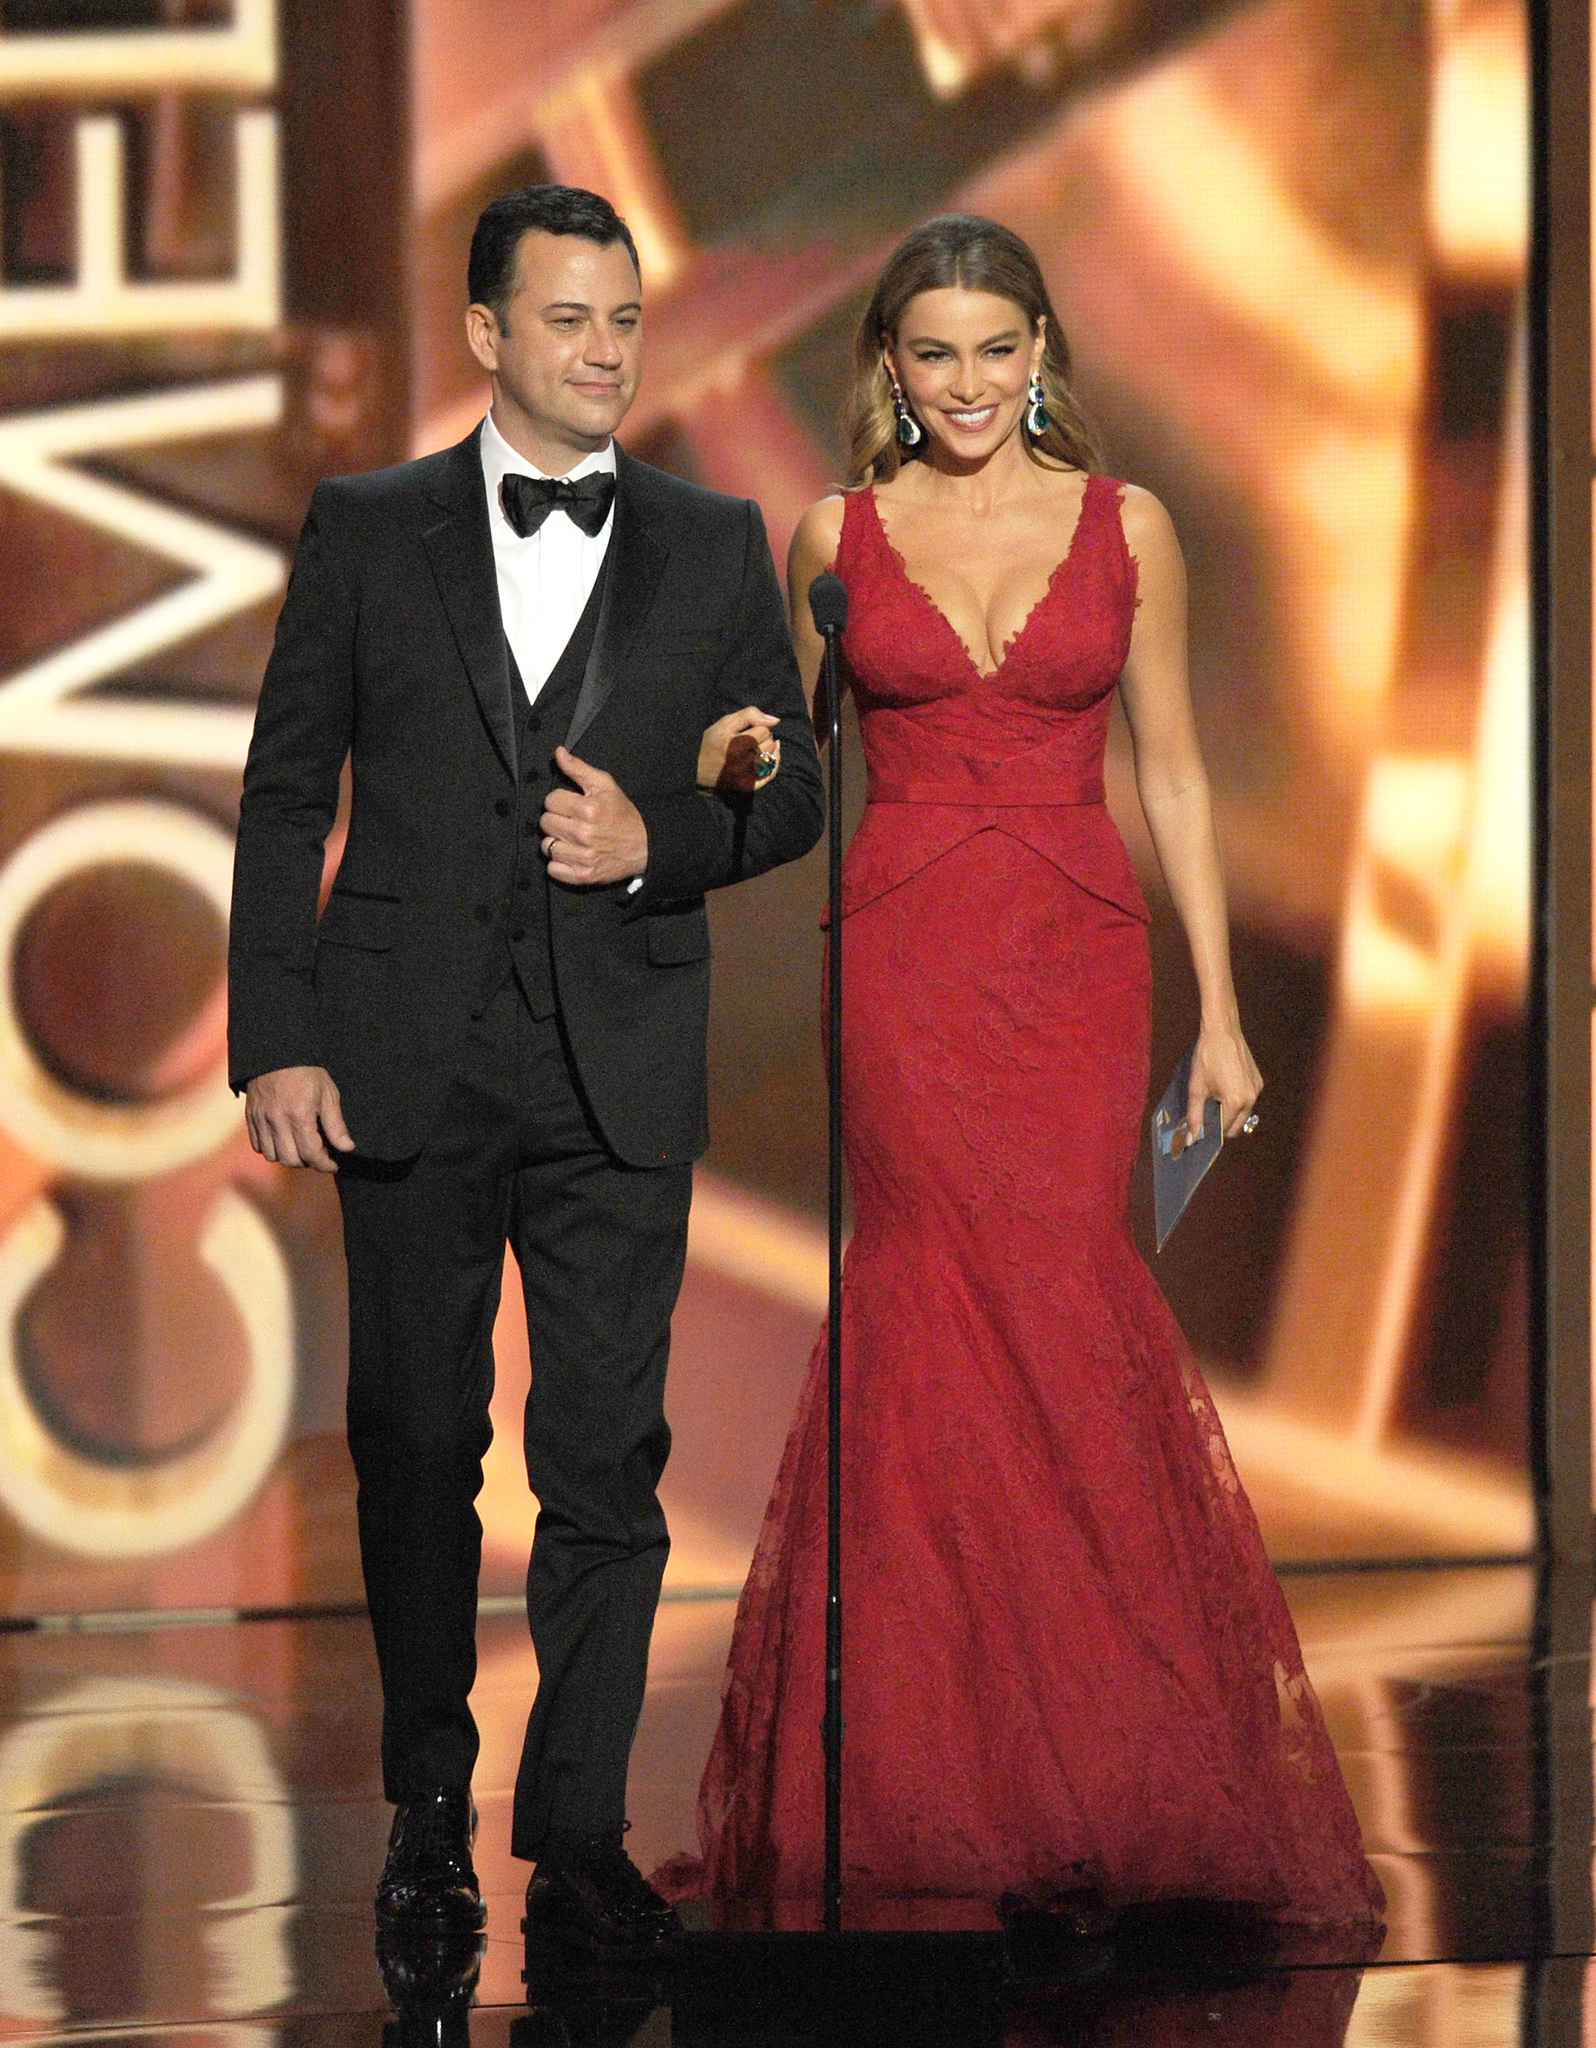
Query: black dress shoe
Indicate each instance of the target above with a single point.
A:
(427, 1882)
(592, 1896)
(430, 1980)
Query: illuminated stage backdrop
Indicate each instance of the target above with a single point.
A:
(1287, 242)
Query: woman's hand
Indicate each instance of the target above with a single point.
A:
(1223, 1069)
(738, 752)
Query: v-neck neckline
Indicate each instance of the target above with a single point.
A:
(1012, 645)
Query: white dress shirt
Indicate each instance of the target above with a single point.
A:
(546, 578)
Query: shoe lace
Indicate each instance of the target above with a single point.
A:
(610, 1859)
(434, 1827)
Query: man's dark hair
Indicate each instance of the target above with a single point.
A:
(557, 210)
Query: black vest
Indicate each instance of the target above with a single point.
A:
(539, 728)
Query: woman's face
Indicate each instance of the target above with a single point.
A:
(964, 360)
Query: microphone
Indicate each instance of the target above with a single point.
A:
(828, 603)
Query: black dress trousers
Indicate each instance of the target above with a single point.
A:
(601, 1247)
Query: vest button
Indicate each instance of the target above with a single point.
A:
(517, 935)
(534, 723)
(484, 914)
(523, 881)
(529, 830)
(502, 808)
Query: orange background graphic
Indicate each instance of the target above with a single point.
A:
(1287, 241)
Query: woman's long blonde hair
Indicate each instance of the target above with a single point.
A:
(978, 255)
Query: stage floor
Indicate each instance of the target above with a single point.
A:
(191, 1826)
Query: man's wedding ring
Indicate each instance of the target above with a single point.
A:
(548, 846)
(1250, 1125)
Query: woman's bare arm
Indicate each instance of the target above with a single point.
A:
(1176, 801)
(729, 756)
(814, 547)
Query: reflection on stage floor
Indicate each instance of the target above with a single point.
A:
(191, 1825)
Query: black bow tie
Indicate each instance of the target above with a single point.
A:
(528, 500)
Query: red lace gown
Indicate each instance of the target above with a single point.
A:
(1066, 1657)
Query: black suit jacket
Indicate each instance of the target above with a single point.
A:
(390, 651)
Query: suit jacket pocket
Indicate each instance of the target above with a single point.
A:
(369, 924)
(676, 937)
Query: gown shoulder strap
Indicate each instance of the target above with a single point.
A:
(852, 546)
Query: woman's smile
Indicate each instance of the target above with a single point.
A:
(971, 419)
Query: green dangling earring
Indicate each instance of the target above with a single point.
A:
(910, 431)
(1037, 417)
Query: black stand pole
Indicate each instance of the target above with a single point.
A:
(828, 601)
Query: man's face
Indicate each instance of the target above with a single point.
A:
(565, 362)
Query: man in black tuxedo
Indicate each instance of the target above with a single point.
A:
(497, 1029)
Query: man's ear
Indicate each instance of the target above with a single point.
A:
(482, 335)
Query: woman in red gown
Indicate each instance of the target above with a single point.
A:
(1067, 1662)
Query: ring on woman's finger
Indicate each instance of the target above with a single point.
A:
(1250, 1125)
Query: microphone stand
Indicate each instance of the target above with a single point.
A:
(828, 602)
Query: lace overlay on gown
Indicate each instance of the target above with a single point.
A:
(1066, 1657)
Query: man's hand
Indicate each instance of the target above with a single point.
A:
(291, 1112)
(593, 833)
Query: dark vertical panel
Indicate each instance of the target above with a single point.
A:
(1560, 414)
(1561, 473)
(346, 207)
(1561, 1789)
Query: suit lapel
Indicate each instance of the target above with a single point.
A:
(460, 548)
(636, 560)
